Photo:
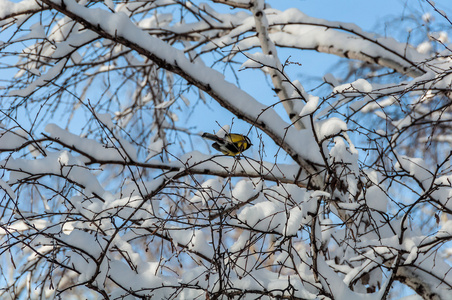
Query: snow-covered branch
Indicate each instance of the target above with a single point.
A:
(111, 188)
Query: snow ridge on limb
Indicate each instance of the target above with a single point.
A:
(235, 3)
(292, 28)
(10, 9)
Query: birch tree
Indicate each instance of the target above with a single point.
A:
(109, 190)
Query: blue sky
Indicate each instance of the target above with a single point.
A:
(371, 15)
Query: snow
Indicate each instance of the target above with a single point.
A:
(401, 123)
(412, 256)
(424, 47)
(155, 148)
(51, 74)
(19, 226)
(372, 105)
(211, 189)
(263, 216)
(8, 7)
(360, 86)
(223, 131)
(245, 190)
(91, 148)
(161, 20)
(336, 285)
(427, 17)
(376, 198)
(330, 79)
(266, 214)
(105, 119)
(445, 230)
(64, 158)
(327, 36)
(441, 36)
(12, 139)
(310, 107)
(165, 104)
(130, 280)
(36, 32)
(241, 242)
(443, 190)
(259, 60)
(58, 163)
(295, 220)
(411, 297)
(347, 157)
(194, 240)
(417, 168)
(327, 228)
(124, 207)
(110, 4)
(330, 127)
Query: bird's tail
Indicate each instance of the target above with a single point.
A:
(212, 137)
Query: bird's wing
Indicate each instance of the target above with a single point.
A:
(212, 137)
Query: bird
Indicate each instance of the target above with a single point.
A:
(231, 144)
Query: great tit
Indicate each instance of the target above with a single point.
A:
(231, 144)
